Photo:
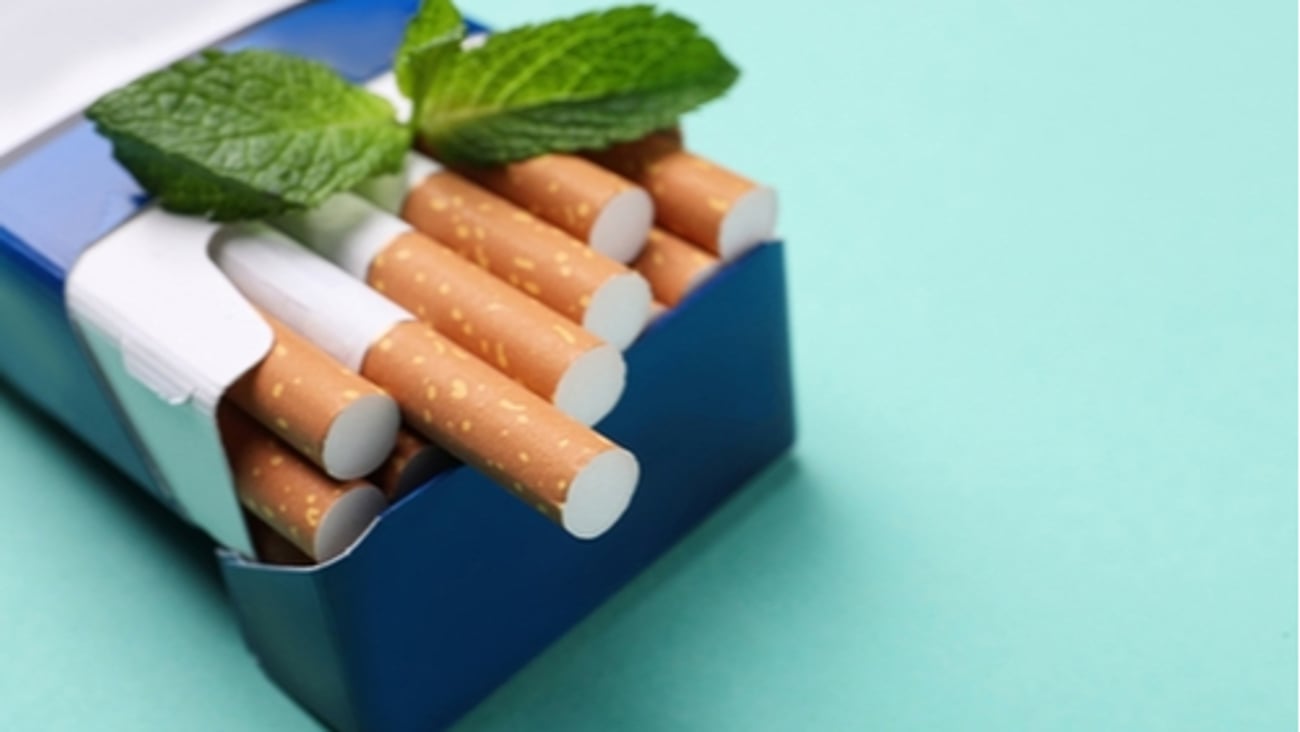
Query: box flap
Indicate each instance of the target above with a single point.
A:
(170, 334)
(58, 57)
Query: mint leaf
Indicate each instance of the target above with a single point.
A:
(249, 134)
(433, 33)
(581, 83)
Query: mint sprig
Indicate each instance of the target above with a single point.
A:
(432, 37)
(248, 135)
(255, 134)
(581, 83)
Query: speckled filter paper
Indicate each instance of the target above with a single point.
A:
(565, 190)
(298, 391)
(692, 195)
(516, 334)
(523, 443)
(509, 242)
(276, 484)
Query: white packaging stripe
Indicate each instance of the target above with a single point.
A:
(321, 302)
(183, 330)
(169, 334)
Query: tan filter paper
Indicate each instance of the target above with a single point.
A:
(511, 243)
(592, 204)
(414, 462)
(698, 200)
(317, 514)
(270, 547)
(557, 465)
(673, 267)
(514, 333)
(312, 402)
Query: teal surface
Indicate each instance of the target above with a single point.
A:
(1044, 276)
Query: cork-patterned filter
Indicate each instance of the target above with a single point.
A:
(673, 267)
(270, 547)
(413, 462)
(531, 255)
(549, 354)
(562, 468)
(332, 416)
(694, 198)
(319, 515)
(592, 204)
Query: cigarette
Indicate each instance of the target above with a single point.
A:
(547, 264)
(333, 417)
(271, 548)
(673, 267)
(527, 341)
(318, 515)
(593, 205)
(562, 468)
(603, 296)
(553, 462)
(413, 462)
(588, 202)
(694, 198)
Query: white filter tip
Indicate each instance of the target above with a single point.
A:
(361, 437)
(601, 493)
(346, 520)
(622, 226)
(618, 309)
(592, 385)
(750, 222)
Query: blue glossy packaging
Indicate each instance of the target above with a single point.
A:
(457, 585)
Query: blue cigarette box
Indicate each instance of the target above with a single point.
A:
(457, 585)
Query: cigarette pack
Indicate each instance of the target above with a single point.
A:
(457, 584)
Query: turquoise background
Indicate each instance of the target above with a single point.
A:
(1043, 258)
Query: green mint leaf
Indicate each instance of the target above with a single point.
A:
(249, 134)
(582, 83)
(434, 32)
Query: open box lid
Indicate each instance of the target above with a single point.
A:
(166, 330)
(170, 334)
(57, 57)
(63, 199)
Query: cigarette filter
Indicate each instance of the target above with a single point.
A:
(320, 516)
(413, 462)
(546, 352)
(590, 289)
(558, 465)
(590, 203)
(593, 205)
(672, 267)
(696, 199)
(562, 468)
(333, 417)
(271, 548)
